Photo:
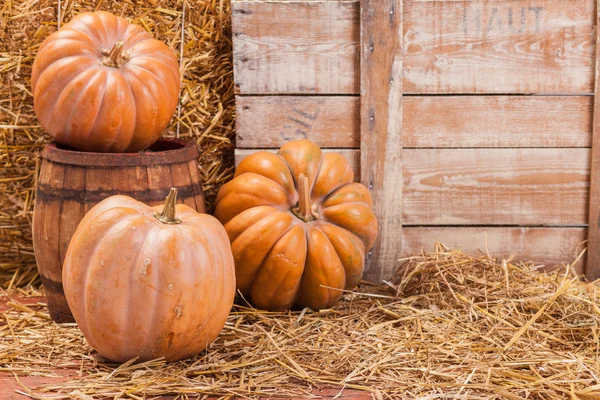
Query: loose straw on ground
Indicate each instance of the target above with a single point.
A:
(447, 326)
(205, 115)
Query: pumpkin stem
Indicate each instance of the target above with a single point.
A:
(167, 215)
(305, 210)
(115, 57)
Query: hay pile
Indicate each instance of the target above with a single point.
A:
(206, 113)
(449, 326)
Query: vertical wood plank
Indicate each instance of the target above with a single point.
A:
(592, 270)
(197, 186)
(48, 237)
(182, 180)
(159, 178)
(381, 127)
(73, 207)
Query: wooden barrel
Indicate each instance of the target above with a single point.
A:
(72, 182)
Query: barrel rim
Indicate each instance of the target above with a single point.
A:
(187, 152)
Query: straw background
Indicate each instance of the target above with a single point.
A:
(206, 113)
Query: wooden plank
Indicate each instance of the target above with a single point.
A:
(496, 186)
(271, 121)
(497, 121)
(381, 89)
(46, 217)
(513, 46)
(160, 180)
(592, 271)
(296, 47)
(73, 208)
(353, 156)
(197, 186)
(428, 121)
(180, 173)
(547, 246)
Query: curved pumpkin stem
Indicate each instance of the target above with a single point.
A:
(115, 56)
(305, 210)
(167, 216)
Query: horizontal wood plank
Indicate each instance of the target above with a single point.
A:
(271, 121)
(428, 121)
(547, 246)
(514, 46)
(497, 121)
(353, 156)
(511, 46)
(496, 186)
(296, 47)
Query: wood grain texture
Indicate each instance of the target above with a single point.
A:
(296, 47)
(72, 210)
(272, 121)
(46, 236)
(197, 186)
(49, 240)
(514, 46)
(180, 173)
(159, 181)
(428, 121)
(497, 121)
(381, 128)
(496, 186)
(592, 271)
(544, 246)
(353, 157)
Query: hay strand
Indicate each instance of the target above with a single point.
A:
(199, 34)
(452, 326)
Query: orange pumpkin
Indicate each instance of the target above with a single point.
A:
(298, 225)
(145, 283)
(102, 84)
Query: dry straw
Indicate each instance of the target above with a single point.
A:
(205, 115)
(448, 326)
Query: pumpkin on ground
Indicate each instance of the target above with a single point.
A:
(299, 226)
(102, 84)
(145, 283)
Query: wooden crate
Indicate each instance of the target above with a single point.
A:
(470, 121)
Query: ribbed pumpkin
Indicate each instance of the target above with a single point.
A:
(145, 283)
(102, 84)
(298, 225)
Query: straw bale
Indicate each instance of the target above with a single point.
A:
(206, 113)
(448, 326)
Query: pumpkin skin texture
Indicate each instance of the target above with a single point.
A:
(92, 94)
(296, 222)
(138, 287)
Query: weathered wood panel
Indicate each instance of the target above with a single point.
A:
(593, 257)
(381, 128)
(496, 186)
(515, 46)
(547, 246)
(428, 121)
(271, 121)
(72, 209)
(353, 156)
(497, 121)
(296, 47)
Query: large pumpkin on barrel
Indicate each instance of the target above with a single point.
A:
(299, 226)
(102, 84)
